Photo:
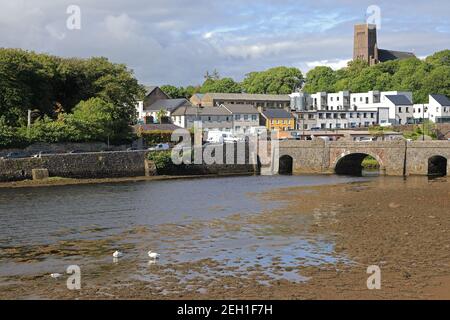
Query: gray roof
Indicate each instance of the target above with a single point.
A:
(441, 99)
(387, 55)
(277, 113)
(241, 108)
(248, 96)
(399, 100)
(167, 104)
(149, 89)
(202, 111)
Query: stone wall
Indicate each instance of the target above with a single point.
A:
(81, 165)
(396, 158)
(64, 147)
(419, 152)
(308, 156)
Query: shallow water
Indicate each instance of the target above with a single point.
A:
(183, 220)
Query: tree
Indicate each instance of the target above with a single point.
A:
(39, 81)
(8, 135)
(97, 120)
(441, 58)
(174, 92)
(320, 79)
(161, 114)
(224, 85)
(279, 80)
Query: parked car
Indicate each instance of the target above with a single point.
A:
(41, 153)
(16, 155)
(365, 139)
(160, 147)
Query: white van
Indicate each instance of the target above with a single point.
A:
(215, 136)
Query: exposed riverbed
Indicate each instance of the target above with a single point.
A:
(235, 237)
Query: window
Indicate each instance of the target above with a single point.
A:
(399, 109)
(254, 117)
(237, 117)
(246, 117)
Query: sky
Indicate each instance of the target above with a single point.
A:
(177, 41)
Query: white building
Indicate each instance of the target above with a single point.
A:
(237, 119)
(343, 110)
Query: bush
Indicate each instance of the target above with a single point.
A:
(162, 160)
(9, 136)
(155, 137)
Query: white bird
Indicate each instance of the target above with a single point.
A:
(117, 254)
(56, 275)
(153, 255)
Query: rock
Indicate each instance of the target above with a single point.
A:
(394, 205)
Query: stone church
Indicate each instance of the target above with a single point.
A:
(366, 46)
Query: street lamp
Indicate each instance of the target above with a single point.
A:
(423, 123)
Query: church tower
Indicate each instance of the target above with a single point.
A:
(365, 43)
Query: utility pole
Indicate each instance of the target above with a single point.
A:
(29, 119)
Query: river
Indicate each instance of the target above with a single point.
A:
(45, 229)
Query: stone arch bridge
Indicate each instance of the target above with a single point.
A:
(396, 158)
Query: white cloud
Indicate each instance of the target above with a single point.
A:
(334, 64)
(176, 41)
(120, 27)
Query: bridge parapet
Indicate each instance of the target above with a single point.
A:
(396, 158)
(419, 153)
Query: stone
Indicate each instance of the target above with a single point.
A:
(39, 174)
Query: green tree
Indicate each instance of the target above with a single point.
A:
(96, 120)
(224, 85)
(174, 92)
(320, 79)
(279, 80)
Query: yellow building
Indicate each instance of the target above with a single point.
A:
(278, 119)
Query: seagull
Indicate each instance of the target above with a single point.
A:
(56, 275)
(117, 254)
(153, 255)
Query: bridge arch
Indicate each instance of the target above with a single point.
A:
(351, 163)
(286, 165)
(437, 166)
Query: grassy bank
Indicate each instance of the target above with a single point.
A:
(370, 163)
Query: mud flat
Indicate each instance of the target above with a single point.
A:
(316, 243)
